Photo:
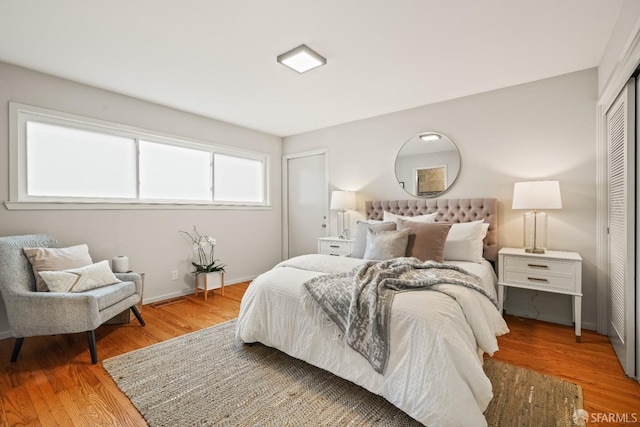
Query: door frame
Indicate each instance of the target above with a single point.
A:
(285, 192)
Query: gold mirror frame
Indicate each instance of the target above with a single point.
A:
(428, 165)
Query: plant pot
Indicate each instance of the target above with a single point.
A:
(209, 281)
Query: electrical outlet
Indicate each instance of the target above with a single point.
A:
(174, 275)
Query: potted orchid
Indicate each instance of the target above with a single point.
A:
(205, 247)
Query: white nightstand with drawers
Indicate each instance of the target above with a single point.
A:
(552, 271)
(334, 246)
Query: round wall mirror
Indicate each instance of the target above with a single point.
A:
(427, 165)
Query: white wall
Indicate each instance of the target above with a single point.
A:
(539, 130)
(248, 241)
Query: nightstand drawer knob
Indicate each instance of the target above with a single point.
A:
(538, 266)
(537, 279)
(334, 246)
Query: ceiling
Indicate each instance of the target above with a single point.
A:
(217, 58)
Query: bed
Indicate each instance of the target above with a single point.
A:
(434, 368)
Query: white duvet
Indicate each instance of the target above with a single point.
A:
(434, 373)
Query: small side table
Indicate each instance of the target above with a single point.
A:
(204, 284)
(552, 271)
(334, 246)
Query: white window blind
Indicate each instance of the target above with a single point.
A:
(63, 158)
(67, 162)
(174, 173)
(238, 179)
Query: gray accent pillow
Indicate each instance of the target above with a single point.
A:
(383, 245)
(358, 246)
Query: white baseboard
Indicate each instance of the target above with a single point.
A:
(184, 292)
(5, 335)
(552, 319)
(167, 296)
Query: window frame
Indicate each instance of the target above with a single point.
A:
(20, 114)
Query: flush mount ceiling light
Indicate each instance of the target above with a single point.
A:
(429, 137)
(301, 59)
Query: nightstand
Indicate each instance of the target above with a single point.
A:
(334, 246)
(552, 271)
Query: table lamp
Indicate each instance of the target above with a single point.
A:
(343, 201)
(536, 195)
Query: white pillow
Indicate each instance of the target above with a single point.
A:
(465, 241)
(80, 279)
(388, 216)
(56, 259)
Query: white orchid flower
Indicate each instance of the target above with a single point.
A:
(205, 248)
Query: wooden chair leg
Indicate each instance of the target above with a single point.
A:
(16, 349)
(136, 313)
(91, 335)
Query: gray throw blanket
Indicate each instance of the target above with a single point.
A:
(359, 301)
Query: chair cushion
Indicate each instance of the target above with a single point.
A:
(112, 294)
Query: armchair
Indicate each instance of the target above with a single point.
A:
(32, 313)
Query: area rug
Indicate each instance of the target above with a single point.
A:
(207, 378)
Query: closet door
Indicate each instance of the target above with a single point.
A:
(621, 162)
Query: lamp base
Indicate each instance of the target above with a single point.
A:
(534, 250)
(535, 232)
(343, 229)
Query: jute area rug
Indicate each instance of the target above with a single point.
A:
(207, 378)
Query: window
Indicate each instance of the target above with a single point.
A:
(168, 172)
(237, 178)
(58, 157)
(61, 163)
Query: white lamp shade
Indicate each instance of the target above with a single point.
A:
(343, 200)
(537, 195)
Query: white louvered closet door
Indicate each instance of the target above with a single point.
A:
(621, 150)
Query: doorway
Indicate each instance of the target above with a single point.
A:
(305, 210)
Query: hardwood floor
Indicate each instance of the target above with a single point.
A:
(592, 364)
(53, 383)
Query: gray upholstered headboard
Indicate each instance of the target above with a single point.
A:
(449, 210)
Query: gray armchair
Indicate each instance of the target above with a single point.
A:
(32, 313)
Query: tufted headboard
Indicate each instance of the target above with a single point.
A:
(449, 210)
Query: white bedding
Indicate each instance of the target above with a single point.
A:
(434, 373)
